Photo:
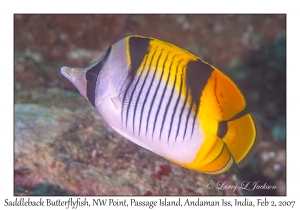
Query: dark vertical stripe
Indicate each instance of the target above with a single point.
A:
(130, 100)
(178, 98)
(136, 102)
(143, 106)
(187, 120)
(154, 94)
(168, 104)
(197, 75)
(125, 102)
(181, 112)
(162, 97)
(194, 119)
(138, 48)
(91, 77)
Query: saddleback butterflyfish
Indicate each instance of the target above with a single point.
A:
(170, 102)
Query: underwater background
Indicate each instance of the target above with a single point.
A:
(63, 147)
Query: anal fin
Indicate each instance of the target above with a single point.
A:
(212, 158)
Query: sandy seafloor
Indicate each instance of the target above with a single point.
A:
(63, 147)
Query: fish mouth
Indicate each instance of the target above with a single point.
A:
(77, 77)
(66, 71)
(72, 73)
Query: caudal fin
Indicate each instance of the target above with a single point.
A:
(242, 137)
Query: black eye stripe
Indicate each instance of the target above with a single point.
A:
(91, 77)
(91, 91)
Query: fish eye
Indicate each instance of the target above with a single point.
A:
(91, 77)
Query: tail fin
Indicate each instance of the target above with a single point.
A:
(242, 137)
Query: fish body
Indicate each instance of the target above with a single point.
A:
(170, 102)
